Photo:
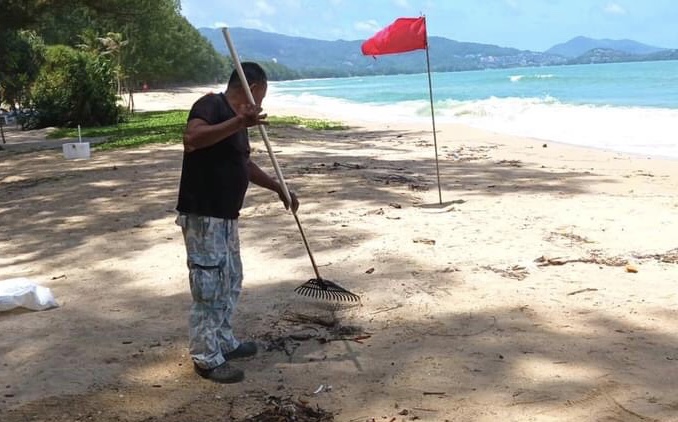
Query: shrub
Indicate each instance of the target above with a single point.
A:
(74, 88)
(21, 56)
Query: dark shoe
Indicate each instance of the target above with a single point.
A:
(222, 374)
(245, 350)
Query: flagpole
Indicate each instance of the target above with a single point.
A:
(433, 119)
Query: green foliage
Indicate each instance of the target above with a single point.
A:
(154, 43)
(178, 54)
(21, 55)
(23, 14)
(74, 88)
(278, 72)
(163, 48)
(314, 124)
(167, 127)
(141, 129)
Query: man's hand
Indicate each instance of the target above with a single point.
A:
(251, 115)
(295, 201)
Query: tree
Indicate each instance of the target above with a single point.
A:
(22, 55)
(109, 46)
(143, 41)
(75, 88)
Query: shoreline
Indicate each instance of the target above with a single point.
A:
(183, 98)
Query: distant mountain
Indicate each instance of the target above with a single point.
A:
(319, 58)
(581, 45)
(606, 55)
(297, 57)
(603, 55)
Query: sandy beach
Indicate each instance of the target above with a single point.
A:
(543, 288)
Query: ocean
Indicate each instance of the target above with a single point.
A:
(625, 107)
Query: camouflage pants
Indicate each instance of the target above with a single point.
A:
(215, 275)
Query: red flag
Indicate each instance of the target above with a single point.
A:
(405, 34)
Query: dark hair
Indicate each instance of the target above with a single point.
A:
(253, 72)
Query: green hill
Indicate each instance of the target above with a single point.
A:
(298, 57)
(320, 58)
(582, 45)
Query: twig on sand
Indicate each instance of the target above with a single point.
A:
(324, 321)
(517, 272)
(393, 308)
(576, 292)
(423, 409)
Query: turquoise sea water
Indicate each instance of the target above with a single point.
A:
(629, 107)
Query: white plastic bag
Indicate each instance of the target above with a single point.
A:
(23, 292)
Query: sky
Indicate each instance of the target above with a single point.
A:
(525, 24)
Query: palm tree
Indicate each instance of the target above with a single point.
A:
(113, 44)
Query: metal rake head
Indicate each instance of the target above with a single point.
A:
(319, 288)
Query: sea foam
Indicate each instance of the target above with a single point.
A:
(638, 130)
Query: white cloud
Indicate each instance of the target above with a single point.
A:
(219, 25)
(258, 24)
(614, 9)
(264, 8)
(367, 26)
(402, 3)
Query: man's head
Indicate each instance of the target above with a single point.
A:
(256, 78)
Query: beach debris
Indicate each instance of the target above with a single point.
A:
(668, 257)
(379, 211)
(25, 293)
(356, 339)
(369, 271)
(321, 388)
(516, 272)
(418, 188)
(392, 308)
(480, 152)
(397, 179)
(594, 258)
(510, 163)
(325, 321)
(630, 268)
(287, 409)
(571, 236)
(424, 241)
(349, 165)
(576, 292)
(395, 205)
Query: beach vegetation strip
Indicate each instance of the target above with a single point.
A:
(167, 127)
(313, 124)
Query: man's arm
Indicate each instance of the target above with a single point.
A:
(200, 134)
(261, 178)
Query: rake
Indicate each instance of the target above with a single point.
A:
(318, 287)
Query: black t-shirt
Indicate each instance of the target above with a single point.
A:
(214, 179)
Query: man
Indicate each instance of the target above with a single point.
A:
(215, 174)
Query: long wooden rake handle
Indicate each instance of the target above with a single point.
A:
(264, 135)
